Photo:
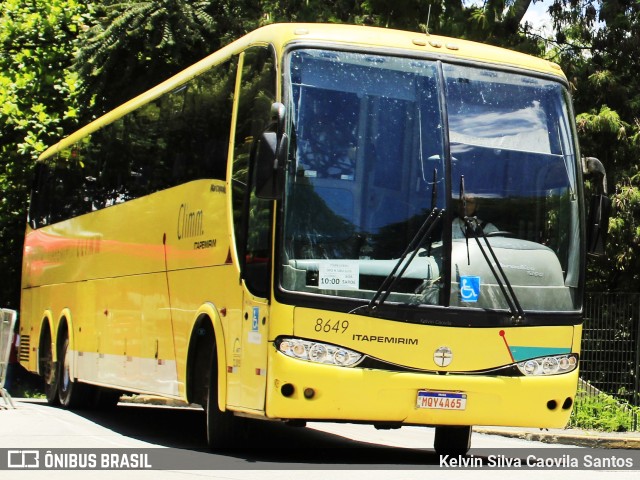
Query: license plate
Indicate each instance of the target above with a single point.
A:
(441, 400)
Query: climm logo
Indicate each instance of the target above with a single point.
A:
(190, 222)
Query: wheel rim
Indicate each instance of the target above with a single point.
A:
(65, 371)
(66, 376)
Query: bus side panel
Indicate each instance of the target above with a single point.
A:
(190, 289)
(31, 321)
(127, 342)
(111, 270)
(198, 260)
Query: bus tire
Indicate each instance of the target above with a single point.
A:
(452, 440)
(104, 398)
(224, 430)
(71, 394)
(48, 368)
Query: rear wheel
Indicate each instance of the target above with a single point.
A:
(48, 368)
(452, 440)
(72, 394)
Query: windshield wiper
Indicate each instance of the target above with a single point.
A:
(473, 226)
(392, 278)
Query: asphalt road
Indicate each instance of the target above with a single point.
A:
(273, 450)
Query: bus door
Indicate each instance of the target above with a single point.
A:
(253, 364)
(252, 219)
(249, 354)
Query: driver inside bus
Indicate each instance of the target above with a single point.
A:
(468, 209)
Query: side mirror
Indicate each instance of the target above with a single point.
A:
(598, 224)
(593, 166)
(270, 157)
(600, 208)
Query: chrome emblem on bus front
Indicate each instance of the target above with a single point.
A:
(443, 356)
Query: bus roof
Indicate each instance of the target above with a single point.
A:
(374, 38)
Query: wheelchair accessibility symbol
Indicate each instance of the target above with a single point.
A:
(469, 288)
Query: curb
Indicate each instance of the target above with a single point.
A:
(581, 439)
(152, 400)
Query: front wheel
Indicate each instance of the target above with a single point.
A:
(452, 440)
(224, 430)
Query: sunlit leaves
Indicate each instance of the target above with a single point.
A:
(36, 106)
(136, 44)
(603, 121)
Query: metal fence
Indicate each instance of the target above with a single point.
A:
(610, 359)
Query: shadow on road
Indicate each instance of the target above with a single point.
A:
(267, 442)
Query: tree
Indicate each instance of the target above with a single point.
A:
(124, 47)
(134, 45)
(37, 104)
(598, 46)
(495, 21)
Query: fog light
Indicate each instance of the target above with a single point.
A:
(287, 390)
(309, 393)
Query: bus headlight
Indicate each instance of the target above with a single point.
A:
(318, 352)
(551, 365)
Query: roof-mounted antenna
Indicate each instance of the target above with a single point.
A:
(428, 18)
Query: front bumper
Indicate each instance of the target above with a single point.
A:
(378, 396)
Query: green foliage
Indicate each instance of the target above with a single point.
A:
(126, 46)
(37, 91)
(597, 46)
(605, 121)
(135, 45)
(624, 231)
(604, 413)
(34, 394)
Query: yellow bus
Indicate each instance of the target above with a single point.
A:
(319, 223)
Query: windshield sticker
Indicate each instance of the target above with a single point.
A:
(339, 275)
(469, 288)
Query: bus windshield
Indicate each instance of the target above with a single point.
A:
(380, 143)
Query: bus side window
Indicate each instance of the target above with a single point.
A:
(201, 130)
(38, 206)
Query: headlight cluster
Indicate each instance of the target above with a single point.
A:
(551, 365)
(318, 352)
